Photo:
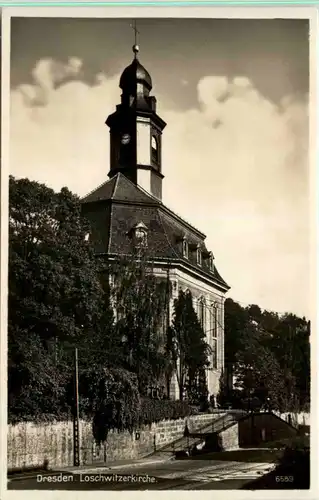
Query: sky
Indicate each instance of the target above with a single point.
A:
(234, 94)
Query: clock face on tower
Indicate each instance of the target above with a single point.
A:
(125, 139)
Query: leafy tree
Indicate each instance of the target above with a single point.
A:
(224, 396)
(235, 322)
(114, 399)
(268, 354)
(55, 295)
(37, 384)
(189, 349)
(140, 300)
(291, 345)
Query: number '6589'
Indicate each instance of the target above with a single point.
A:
(284, 479)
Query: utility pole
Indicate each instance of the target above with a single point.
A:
(76, 421)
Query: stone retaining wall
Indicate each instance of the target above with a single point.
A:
(31, 444)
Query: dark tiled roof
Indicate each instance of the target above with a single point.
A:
(127, 205)
(125, 217)
(119, 188)
(163, 236)
(103, 192)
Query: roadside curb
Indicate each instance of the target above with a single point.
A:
(90, 469)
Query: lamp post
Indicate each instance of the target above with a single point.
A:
(268, 404)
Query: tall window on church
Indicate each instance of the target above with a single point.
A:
(214, 334)
(214, 354)
(155, 152)
(201, 313)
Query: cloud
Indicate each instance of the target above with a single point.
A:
(236, 168)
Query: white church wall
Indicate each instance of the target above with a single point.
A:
(144, 179)
(143, 145)
(200, 290)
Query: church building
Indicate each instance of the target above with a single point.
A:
(129, 205)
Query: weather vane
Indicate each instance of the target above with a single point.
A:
(135, 46)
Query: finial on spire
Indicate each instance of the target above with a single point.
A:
(135, 47)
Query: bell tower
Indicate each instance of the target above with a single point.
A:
(136, 130)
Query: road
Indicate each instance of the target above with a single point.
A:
(170, 475)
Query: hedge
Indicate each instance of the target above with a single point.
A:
(155, 410)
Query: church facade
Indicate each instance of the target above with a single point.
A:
(129, 205)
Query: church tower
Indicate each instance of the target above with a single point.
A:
(127, 213)
(136, 131)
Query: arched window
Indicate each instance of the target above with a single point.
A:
(155, 155)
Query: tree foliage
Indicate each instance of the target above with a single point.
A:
(268, 356)
(140, 300)
(114, 399)
(55, 295)
(61, 297)
(190, 352)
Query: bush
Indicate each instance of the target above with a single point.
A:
(116, 399)
(155, 410)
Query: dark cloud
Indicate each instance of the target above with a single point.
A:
(273, 54)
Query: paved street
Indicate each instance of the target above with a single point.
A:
(183, 474)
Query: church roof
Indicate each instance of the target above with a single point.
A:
(119, 188)
(118, 205)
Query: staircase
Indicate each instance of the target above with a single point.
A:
(191, 439)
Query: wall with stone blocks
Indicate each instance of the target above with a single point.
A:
(263, 427)
(253, 430)
(230, 438)
(31, 444)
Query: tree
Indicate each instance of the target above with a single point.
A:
(291, 346)
(258, 375)
(268, 354)
(140, 300)
(235, 322)
(56, 300)
(189, 349)
(114, 400)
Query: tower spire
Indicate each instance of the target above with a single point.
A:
(135, 47)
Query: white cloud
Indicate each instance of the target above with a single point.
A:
(236, 168)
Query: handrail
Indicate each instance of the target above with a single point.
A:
(227, 418)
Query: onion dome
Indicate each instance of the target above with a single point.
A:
(135, 73)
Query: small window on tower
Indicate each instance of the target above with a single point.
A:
(154, 149)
